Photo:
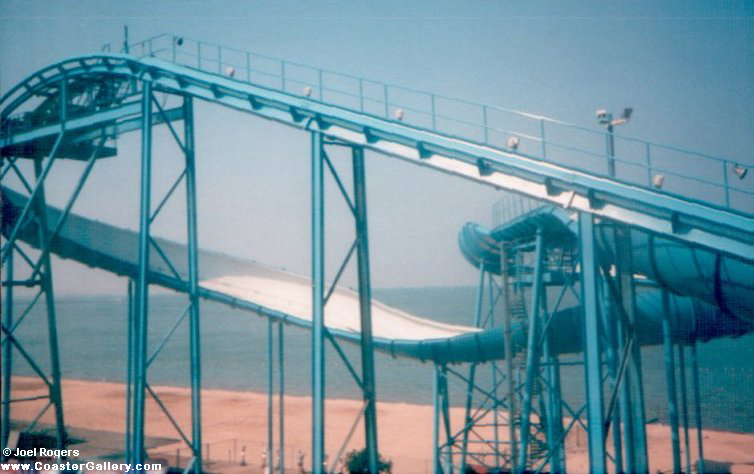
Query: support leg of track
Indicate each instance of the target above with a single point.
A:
(592, 359)
(445, 407)
(318, 287)
(129, 365)
(625, 273)
(684, 405)
(193, 260)
(697, 407)
(508, 341)
(472, 372)
(142, 283)
(611, 354)
(365, 308)
(532, 352)
(270, 459)
(624, 402)
(554, 409)
(670, 380)
(436, 420)
(281, 401)
(56, 393)
(7, 354)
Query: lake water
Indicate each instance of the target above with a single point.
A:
(92, 334)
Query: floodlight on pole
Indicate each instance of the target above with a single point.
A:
(606, 118)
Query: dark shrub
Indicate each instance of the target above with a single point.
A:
(357, 462)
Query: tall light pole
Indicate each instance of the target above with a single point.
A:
(606, 118)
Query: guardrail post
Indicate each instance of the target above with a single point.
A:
(434, 121)
(725, 182)
(387, 106)
(484, 121)
(361, 94)
(542, 138)
(248, 67)
(649, 164)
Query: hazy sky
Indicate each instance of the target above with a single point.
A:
(685, 67)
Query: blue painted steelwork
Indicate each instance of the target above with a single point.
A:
(142, 282)
(697, 408)
(532, 351)
(365, 307)
(348, 90)
(592, 360)
(627, 307)
(472, 370)
(682, 227)
(193, 282)
(682, 218)
(318, 304)
(7, 355)
(130, 359)
(270, 449)
(670, 381)
(281, 401)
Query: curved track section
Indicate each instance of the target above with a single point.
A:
(720, 286)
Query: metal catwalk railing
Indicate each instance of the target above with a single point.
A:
(660, 167)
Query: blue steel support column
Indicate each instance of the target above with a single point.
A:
(193, 252)
(636, 386)
(611, 354)
(437, 469)
(270, 383)
(365, 306)
(508, 341)
(624, 401)
(532, 352)
(670, 380)
(56, 394)
(7, 353)
(445, 406)
(318, 287)
(592, 360)
(697, 406)
(142, 284)
(281, 401)
(553, 402)
(684, 405)
(129, 364)
(472, 372)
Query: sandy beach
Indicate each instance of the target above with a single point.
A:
(234, 421)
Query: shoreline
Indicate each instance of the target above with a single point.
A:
(233, 419)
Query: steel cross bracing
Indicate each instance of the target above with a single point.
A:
(670, 215)
(98, 121)
(514, 419)
(100, 112)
